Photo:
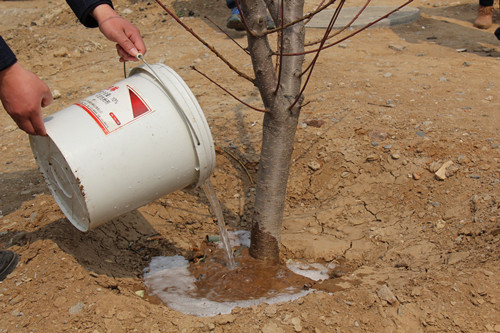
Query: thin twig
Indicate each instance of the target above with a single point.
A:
(313, 62)
(227, 35)
(280, 39)
(349, 36)
(243, 19)
(325, 36)
(319, 6)
(303, 18)
(210, 47)
(345, 27)
(242, 165)
(227, 91)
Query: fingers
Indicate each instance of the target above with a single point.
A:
(23, 95)
(126, 35)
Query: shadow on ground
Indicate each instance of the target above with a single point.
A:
(18, 187)
(452, 27)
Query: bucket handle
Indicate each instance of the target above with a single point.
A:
(164, 87)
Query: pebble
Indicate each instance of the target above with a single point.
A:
(16, 300)
(56, 94)
(61, 52)
(441, 173)
(397, 47)
(77, 308)
(297, 325)
(314, 165)
(16, 313)
(386, 294)
(315, 123)
(416, 176)
(395, 156)
(421, 133)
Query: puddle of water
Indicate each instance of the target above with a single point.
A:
(209, 190)
(209, 287)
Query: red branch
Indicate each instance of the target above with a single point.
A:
(227, 91)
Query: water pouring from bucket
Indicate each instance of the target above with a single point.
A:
(125, 146)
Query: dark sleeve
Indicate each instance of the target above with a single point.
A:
(497, 33)
(7, 57)
(83, 8)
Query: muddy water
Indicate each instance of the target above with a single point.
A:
(208, 287)
(209, 190)
(250, 279)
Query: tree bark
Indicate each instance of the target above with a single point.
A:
(280, 121)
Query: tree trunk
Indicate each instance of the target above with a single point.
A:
(280, 121)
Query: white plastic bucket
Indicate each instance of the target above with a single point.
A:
(124, 147)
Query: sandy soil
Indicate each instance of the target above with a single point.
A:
(392, 106)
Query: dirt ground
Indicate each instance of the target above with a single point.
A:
(385, 110)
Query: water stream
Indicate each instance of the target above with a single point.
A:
(208, 187)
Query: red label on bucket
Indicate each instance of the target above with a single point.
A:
(115, 107)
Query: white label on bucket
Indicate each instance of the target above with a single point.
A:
(115, 107)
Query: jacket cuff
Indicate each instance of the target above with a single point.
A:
(83, 9)
(7, 57)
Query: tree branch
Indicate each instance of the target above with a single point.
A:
(227, 35)
(350, 35)
(227, 91)
(210, 47)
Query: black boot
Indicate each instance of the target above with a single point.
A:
(8, 261)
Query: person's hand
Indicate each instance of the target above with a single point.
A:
(23, 95)
(119, 30)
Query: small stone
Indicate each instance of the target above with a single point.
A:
(421, 133)
(297, 326)
(441, 173)
(455, 257)
(388, 74)
(416, 176)
(16, 313)
(463, 160)
(16, 300)
(56, 94)
(397, 47)
(386, 294)
(61, 52)
(314, 165)
(77, 308)
(140, 293)
(372, 158)
(440, 224)
(315, 123)
(395, 156)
